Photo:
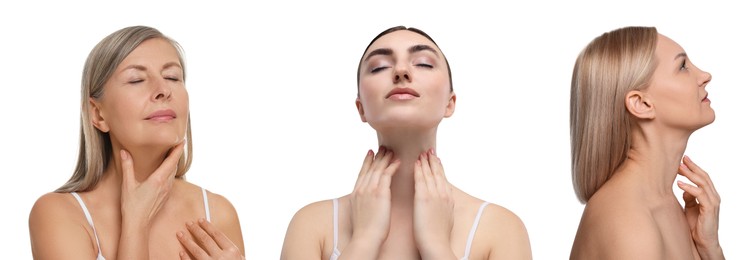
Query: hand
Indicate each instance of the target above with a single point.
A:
(371, 199)
(433, 207)
(140, 202)
(214, 243)
(701, 208)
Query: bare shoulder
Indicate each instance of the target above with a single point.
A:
(58, 229)
(305, 237)
(505, 234)
(616, 227)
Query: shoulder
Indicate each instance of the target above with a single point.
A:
(616, 228)
(58, 228)
(308, 230)
(313, 216)
(504, 233)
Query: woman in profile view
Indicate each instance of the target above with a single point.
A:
(635, 100)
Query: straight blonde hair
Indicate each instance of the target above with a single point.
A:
(606, 70)
(95, 148)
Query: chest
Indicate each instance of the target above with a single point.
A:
(162, 235)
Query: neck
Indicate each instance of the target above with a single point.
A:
(406, 146)
(146, 159)
(654, 157)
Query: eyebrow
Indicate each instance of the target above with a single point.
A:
(142, 68)
(681, 55)
(411, 50)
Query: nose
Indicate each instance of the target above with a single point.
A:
(401, 74)
(162, 90)
(704, 79)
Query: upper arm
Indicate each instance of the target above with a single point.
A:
(304, 238)
(225, 217)
(505, 234)
(57, 232)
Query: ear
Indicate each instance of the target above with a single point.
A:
(95, 114)
(450, 109)
(359, 106)
(639, 105)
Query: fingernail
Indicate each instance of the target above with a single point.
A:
(682, 165)
(201, 220)
(432, 151)
(180, 234)
(688, 158)
(190, 223)
(123, 155)
(681, 183)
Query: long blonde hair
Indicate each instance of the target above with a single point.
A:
(95, 149)
(606, 70)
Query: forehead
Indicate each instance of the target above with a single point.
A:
(666, 48)
(400, 41)
(153, 49)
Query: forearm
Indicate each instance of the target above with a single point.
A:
(134, 241)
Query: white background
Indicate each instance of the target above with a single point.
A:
(272, 89)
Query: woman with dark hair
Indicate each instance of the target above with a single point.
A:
(402, 206)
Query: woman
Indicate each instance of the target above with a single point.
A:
(402, 206)
(635, 100)
(127, 198)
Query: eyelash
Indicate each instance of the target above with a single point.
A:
(683, 65)
(425, 65)
(377, 69)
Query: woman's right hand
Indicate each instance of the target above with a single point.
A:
(140, 201)
(370, 204)
(701, 209)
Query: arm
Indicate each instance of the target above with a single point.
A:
(57, 229)
(616, 233)
(701, 209)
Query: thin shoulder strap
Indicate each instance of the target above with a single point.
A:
(88, 218)
(206, 205)
(336, 229)
(473, 230)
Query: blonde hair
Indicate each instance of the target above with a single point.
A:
(606, 70)
(95, 149)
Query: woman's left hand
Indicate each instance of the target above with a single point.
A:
(433, 208)
(701, 209)
(214, 243)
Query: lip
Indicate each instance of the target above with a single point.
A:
(402, 93)
(706, 98)
(162, 115)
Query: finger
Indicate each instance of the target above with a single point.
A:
(697, 169)
(697, 193)
(215, 233)
(367, 161)
(126, 164)
(386, 180)
(689, 199)
(168, 168)
(431, 183)
(184, 256)
(380, 165)
(707, 194)
(204, 239)
(194, 249)
(438, 170)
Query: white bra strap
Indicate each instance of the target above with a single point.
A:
(473, 230)
(335, 216)
(88, 217)
(206, 205)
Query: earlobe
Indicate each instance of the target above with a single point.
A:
(359, 106)
(450, 109)
(639, 105)
(95, 114)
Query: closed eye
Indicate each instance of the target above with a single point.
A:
(172, 79)
(135, 81)
(425, 65)
(377, 69)
(683, 65)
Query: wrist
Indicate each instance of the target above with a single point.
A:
(436, 249)
(711, 252)
(361, 248)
